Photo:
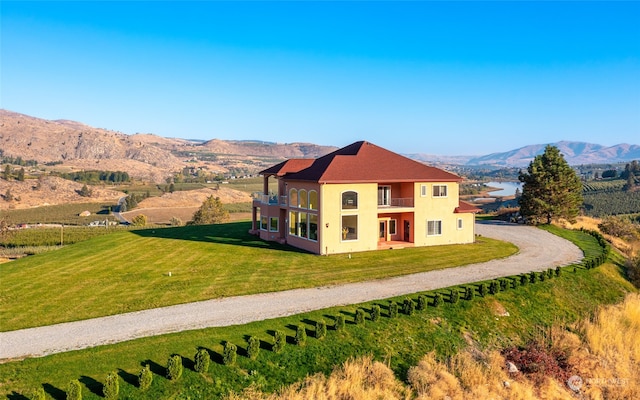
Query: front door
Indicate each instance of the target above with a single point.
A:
(382, 235)
(407, 231)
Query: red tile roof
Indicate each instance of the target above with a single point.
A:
(361, 162)
(464, 207)
(289, 166)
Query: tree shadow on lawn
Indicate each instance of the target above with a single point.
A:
(54, 392)
(232, 233)
(154, 367)
(17, 396)
(129, 378)
(93, 385)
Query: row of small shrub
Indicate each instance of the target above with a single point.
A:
(604, 245)
(202, 358)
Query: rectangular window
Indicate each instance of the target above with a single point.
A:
(302, 198)
(263, 223)
(459, 223)
(313, 200)
(423, 190)
(302, 225)
(384, 195)
(293, 222)
(392, 226)
(349, 227)
(434, 228)
(273, 224)
(313, 227)
(439, 190)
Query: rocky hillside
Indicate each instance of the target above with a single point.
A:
(144, 156)
(267, 149)
(61, 140)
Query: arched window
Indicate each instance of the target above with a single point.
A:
(349, 200)
(293, 198)
(302, 198)
(313, 200)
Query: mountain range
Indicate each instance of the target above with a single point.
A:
(576, 153)
(81, 146)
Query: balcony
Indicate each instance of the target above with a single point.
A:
(270, 199)
(399, 202)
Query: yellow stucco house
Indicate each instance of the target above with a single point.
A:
(358, 198)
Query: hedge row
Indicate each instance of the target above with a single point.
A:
(453, 295)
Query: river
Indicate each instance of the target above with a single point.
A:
(506, 188)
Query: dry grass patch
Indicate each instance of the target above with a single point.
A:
(604, 353)
(591, 223)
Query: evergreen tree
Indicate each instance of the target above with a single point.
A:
(6, 174)
(85, 191)
(631, 182)
(21, 175)
(210, 212)
(551, 189)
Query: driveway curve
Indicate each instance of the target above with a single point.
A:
(538, 250)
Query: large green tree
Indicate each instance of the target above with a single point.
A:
(551, 189)
(210, 212)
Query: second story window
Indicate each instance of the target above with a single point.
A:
(384, 195)
(439, 190)
(293, 198)
(313, 200)
(302, 198)
(349, 200)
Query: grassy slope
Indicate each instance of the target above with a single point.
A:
(128, 271)
(401, 341)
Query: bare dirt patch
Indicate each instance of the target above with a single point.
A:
(50, 191)
(195, 198)
(182, 205)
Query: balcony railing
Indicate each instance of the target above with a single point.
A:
(271, 199)
(398, 202)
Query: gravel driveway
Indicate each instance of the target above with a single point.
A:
(538, 250)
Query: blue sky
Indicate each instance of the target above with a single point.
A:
(450, 78)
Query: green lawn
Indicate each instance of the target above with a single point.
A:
(400, 341)
(128, 271)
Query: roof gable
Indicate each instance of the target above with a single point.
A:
(288, 166)
(366, 162)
